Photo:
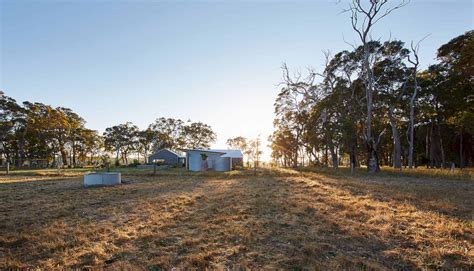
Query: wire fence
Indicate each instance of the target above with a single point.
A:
(27, 164)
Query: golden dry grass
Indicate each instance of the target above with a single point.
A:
(277, 219)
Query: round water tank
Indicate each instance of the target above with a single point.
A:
(102, 178)
(222, 164)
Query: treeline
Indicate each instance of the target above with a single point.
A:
(39, 135)
(372, 105)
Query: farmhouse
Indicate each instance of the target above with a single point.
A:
(166, 157)
(218, 160)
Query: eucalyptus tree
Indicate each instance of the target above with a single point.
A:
(345, 68)
(292, 107)
(146, 138)
(198, 135)
(282, 143)
(411, 128)
(364, 16)
(239, 143)
(90, 145)
(74, 131)
(391, 81)
(456, 96)
(121, 139)
(169, 133)
(12, 123)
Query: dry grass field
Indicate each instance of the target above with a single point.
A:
(276, 219)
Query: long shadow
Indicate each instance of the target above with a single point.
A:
(199, 221)
(316, 238)
(395, 240)
(269, 229)
(29, 208)
(450, 198)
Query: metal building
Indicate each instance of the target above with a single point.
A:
(218, 160)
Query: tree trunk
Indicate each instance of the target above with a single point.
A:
(63, 156)
(441, 147)
(372, 161)
(427, 145)
(125, 158)
(295, 161)
(353, 156)
(333, 157)
(397, 149)
(411, 131)
(432, 147)
(461, 162)
(326, 157)
(74, 153)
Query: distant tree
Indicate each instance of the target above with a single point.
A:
(282, 142)
(12, 127)
(90, 144)
(146, 139)
(75, 129)
(122, 139)
(292, 105)
(197, 135)
(254, 152)
(169, 133)
(238, 143)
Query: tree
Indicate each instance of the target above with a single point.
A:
(12, 123)
(88, 145)
(254, 152)
(292, 107)
(146, 139)
(75, 128)
(391, 79)
(197, 135)
(411, 129)
(238, 143)
(371, 13)
(122, 139)
(169, 133)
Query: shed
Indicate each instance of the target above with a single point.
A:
(166, 157)
(218, 160)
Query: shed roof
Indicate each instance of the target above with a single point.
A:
(224, 153)
(231, 153)
(167, 150)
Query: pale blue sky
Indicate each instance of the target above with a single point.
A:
(212, 61)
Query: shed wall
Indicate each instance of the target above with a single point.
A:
(169, 158)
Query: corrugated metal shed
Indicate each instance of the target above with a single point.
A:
(219, 160)
(168, 157)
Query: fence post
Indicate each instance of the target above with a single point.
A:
(8, 168)
(154, 168)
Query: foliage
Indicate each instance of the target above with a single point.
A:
(324, 122)
(37, 131)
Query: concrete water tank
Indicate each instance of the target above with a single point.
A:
(102, 178)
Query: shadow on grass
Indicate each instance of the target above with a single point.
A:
(277, 218)
(445, 196)
(260, 223)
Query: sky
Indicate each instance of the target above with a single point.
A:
(218, 62)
